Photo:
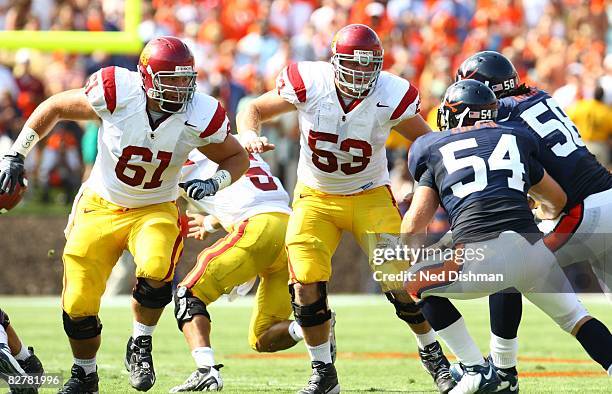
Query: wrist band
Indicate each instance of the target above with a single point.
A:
(208, 226)
(25, 141)
(223, 178)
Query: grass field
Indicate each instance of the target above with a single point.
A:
(376, 350)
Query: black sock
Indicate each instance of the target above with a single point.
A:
(505, 310)
(596, 339)
(439, 312)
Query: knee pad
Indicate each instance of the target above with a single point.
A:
(186, 306)
(408, 312)
(4, 319)
(151, 297)
(569, 321)
(86, 328)
(314, 314)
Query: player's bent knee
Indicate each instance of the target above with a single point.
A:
(406, 311)
(152, 297)
(4, 319)
(82, 328)
(313, 314)
(186, 306)
(570, 321)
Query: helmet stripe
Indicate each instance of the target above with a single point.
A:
(297, 82)
(110, 89)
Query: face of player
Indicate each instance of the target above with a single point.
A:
(356, 74)
(176, 90)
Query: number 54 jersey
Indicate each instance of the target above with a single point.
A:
(482, 175)
(139, 160)
(342, 148)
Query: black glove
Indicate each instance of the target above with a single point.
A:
(11, 172)
(198, 189)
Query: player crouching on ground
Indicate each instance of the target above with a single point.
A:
(16, 359)
(150, 121)
(255, 211)
(480, 172)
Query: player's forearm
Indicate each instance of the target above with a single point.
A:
(249, 119)
(236, 164)
(69, 105)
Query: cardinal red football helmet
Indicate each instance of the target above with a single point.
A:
(161, 59)
(357, 57)
(9, 201)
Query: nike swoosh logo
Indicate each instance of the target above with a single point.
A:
(189, 124)
(379, 105)
(490, 374)
(87, 210)
(514, 387)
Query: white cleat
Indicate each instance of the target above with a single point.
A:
(202, 379)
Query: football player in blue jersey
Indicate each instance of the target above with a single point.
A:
(587, 184)
(480, 172)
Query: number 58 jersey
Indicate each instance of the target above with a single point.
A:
(342, 149)
(139, 160)
(257, 191)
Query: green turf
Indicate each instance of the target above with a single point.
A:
(366, 325)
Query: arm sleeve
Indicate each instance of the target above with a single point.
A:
(417, 159)
(427, 179)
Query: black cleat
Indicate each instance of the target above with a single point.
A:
(79, 383)
(509, 379)
(324, 380)
(139, 362)
(434, 361)
(9, 367)
(202, 379)
(32, 364)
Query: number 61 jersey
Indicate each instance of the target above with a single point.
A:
(139, 160)
(342, 150)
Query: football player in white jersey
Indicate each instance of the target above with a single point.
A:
(151, 120)
(255, 212)
(346, 110)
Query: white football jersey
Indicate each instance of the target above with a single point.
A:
(139, 160)
(257, 191)
(342, 150)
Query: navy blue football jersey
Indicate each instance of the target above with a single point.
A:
(562, 151)
(482, 174)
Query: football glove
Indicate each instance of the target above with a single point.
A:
(11, 172)
(197, 189)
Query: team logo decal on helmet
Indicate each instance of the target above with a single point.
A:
(465, 103)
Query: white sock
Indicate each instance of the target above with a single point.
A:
(425, 339)
(203, 357)
(296, 331)
(459, 341)
(3, 336)
(142, 329)
(88, 365)
(23, 354)
(320, 353)
(610, 371)
(503, 351)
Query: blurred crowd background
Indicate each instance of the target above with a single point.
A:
(562, 46)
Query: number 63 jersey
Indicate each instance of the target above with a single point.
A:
(139, 160)
(482, 174)
(342, 149)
